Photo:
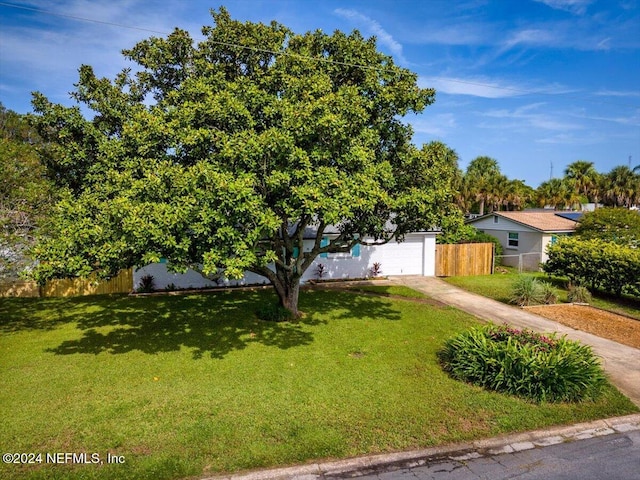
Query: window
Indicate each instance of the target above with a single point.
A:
(513, 240)
(495, 219)
(323, 243)
(355, 251)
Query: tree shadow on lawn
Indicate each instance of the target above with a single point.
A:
(212, 324)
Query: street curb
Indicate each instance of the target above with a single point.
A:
(358, 466)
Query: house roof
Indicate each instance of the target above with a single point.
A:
(551, 222)
(571, 215)
(311, 231)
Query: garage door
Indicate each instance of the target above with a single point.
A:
(403, 258)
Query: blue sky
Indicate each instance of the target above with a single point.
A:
(531, 83)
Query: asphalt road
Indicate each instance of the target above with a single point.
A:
(610, 457)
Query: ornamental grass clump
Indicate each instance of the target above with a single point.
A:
(528, 290)
(524, 363)
(578, 294)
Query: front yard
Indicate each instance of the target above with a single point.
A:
(498, 287)
(188, 385)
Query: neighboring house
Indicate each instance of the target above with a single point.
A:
(525, 235)
(414, 256)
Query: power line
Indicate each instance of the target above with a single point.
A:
(304, 57)
(225, 44)
(74, 17)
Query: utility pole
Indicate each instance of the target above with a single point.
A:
(551, 171)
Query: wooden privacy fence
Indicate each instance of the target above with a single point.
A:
(122, 283)
(464, 259)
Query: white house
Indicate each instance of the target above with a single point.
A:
(525, 235)
(414, 256)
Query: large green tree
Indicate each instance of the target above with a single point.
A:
(617, 225)
(222, 155)
(25, 193)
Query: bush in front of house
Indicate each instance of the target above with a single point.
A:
(596, 264)
(147, 284)
(528, 290)
(524, 363)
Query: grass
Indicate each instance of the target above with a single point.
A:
(499, 287)
(194, 385)
(389, 290)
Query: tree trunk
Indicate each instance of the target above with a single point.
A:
(289, 296)
(286, 285)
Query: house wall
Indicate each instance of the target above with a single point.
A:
(530, 242)
(414, 256)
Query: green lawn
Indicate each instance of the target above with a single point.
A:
(388, 290)
(498, 286)
(190, 385)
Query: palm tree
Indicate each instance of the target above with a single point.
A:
(558, 193)
(480, 178)
(518, 195)
(622, 187)
(584, 178)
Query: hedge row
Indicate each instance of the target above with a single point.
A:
(596, 264)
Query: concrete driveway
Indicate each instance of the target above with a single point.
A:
(622, 363)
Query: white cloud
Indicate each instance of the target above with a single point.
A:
(618, 93)
(458, 34)
(631, 120)
(373, 27)
(476, 87)
(583, 35)
(532, 36)
(528, 116)
(437, 126)
(570, 139)
(577, 7)
(50, 50)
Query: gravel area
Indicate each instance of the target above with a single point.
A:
(604, 324)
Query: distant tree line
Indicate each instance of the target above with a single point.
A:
(483, 188)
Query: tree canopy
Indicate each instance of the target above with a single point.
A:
(617, 225)
(25, 193)
(221, 155)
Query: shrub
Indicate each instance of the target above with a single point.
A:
(596, 264)
(481, 237)
(375, 270)
(147, 284)
(524, 363)
(526, 290)
(617, 225)
(274, 313)
(578, 294)
(320, 270)
(549, 293)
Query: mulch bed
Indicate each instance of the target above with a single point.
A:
(602, 323)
